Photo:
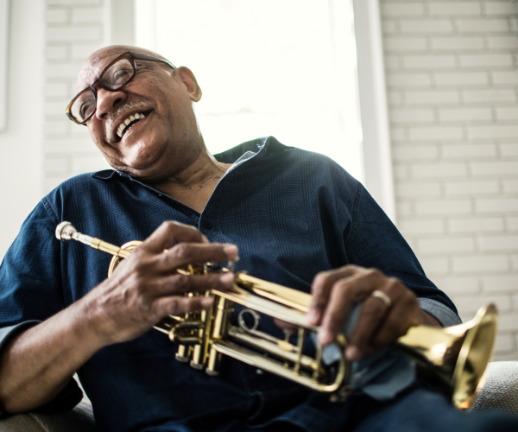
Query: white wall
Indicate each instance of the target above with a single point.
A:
(20, 143)
(49, 40)
(452, 81)
(73, 30)
(270, 99)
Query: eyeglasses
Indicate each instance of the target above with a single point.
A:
(113, 77)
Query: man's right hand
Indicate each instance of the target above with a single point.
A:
(146, 287)
(37, 363)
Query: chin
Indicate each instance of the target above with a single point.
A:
(141, 157)
(146, 170)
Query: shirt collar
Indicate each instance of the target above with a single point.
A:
(105, 174)
(261, 147)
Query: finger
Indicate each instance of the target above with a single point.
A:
(321, 290)
(195, 253)
(178, 284)
(372, 315)
(404, 314)
(339, 307)
(174, 305)
(345, 294)
(170, 233)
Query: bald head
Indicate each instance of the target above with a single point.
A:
(145, 126)
(95, 59)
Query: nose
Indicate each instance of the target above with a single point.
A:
(108, 101)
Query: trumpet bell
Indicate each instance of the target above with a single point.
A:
(458, 355)
(474, 356)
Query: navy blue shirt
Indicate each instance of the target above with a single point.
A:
(292, 213)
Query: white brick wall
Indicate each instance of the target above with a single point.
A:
(452, 85)
(74, 29)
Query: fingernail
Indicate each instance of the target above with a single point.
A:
(353, 353)
(227, 279)
(230, 250)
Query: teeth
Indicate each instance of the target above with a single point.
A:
(125, 123)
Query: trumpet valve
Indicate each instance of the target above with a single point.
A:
(181, 354)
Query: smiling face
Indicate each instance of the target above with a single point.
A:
(147, 128)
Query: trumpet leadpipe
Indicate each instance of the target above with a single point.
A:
(65, 231)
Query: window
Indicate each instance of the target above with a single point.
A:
(266, 67)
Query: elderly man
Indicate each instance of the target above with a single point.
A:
(298, 220)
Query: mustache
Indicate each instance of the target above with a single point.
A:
(119, 112)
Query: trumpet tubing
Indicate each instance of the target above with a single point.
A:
(458, 355)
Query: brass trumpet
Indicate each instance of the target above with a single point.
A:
(458, 355)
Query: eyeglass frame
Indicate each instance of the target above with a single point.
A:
(133, 56)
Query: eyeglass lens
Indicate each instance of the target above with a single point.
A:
(113, 78)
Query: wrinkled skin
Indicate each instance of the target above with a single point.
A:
(163, 144)
(146, 287)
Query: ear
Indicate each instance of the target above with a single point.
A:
(190, 82)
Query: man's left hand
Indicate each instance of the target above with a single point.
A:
(383, 318)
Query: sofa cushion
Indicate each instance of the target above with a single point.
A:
(501, 389)
(80, 419)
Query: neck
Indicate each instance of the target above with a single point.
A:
(194, 185)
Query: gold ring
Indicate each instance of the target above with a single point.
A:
(382, 296)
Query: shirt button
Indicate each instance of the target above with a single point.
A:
(208, 224)
(160, 195)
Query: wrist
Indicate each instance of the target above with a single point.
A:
(89, 323)
(429, 320)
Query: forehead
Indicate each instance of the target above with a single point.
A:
(93, 66)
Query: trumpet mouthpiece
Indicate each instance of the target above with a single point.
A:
(64, 231)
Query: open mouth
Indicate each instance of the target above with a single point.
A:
(127, 123)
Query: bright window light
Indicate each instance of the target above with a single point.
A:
(285, 68)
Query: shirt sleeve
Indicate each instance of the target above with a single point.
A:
(440, 312)
(31, 290)
(30, 274)
(7, 332)
(67, 399)
(374, 241)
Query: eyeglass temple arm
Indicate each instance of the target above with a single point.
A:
(146, 57)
